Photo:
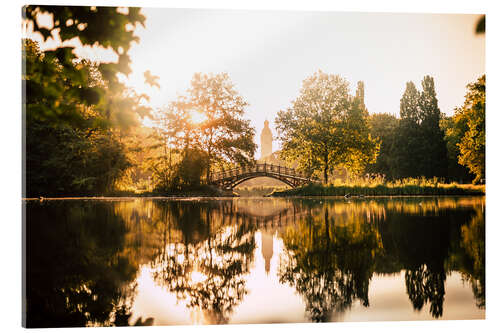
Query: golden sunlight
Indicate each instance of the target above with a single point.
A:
(197, 117)
(197, 276)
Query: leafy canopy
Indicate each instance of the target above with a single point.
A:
(326, 127)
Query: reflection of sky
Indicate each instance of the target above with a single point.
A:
(389, 301)
(269, 301)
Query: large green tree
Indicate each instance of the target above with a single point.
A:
(326, 127)
(221, 132)
(419, 148)
(473, 113)
(434, 159)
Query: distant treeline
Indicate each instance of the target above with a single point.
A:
(327, 132)
(426, 142)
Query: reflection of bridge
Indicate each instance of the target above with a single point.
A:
(231, 178)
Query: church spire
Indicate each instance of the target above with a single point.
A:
(266, 141)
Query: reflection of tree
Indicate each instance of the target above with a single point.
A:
(473, 235)
(76, 271)
(208, 272)
(330, 265)
(426, 285)
(421, 244)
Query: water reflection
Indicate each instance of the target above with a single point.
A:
(315, 259)
(207, 270)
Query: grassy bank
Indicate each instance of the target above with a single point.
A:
(257, 191)
(405, 187)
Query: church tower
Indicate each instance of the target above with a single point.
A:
(267, 249)
(360, 93)
(266, 141)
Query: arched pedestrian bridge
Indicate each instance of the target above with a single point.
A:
(228, 179)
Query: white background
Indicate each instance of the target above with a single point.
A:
(10, 161)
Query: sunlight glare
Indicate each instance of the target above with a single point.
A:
(197, 277)
(198, 117)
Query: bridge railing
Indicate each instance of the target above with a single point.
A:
(256, 168)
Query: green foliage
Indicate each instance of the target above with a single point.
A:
(454, 129)
(58, 85)
(189, 171)
(73, 145)
(471, 118)
(418, 148)
(197, 131)
(76, 111)
(100, 26)
(224, 135)
(383, 127)
(326, 127)
(61, 160)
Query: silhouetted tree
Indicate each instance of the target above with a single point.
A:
(434, 159)
(419, 148)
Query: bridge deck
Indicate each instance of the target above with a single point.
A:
(260, 170)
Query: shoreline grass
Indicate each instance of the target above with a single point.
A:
(388, 189)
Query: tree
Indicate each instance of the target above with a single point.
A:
(173, 137)
(222, 132)
(383, 127)
(434, 160)
(326, 127)
(70, 147)
(472, 113)
(406, 146)
(454, 130)
(419, 148)
(81, 104)
(96, 26)
(202, 128)
(64, 86)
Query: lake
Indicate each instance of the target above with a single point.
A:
(154, 261)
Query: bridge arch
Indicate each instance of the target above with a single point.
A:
(228, 179)
(244, 179)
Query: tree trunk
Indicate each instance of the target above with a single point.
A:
(325, 169)
(208, 165)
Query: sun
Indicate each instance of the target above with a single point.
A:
(197, 117)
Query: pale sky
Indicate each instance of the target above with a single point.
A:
(267, 54)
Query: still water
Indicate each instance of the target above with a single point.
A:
(119, 262)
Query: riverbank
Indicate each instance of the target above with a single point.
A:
(200, 191)
(382, 190)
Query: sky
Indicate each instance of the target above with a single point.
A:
(268, 54)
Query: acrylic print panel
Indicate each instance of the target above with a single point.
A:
(189, 166)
